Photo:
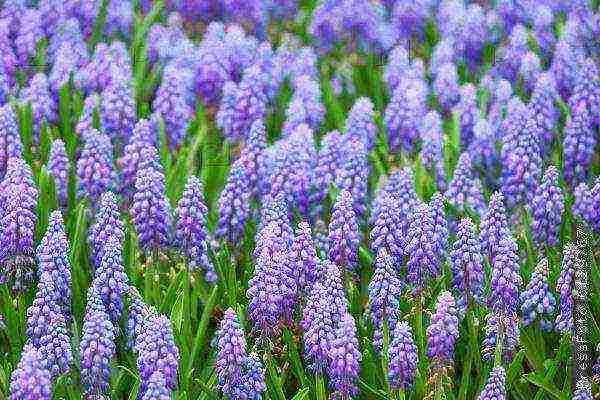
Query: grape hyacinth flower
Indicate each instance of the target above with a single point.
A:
(157, 388)
(402, 368)
(354, 172)
(586, 92)
(399, 69)
(530, 69)
(97, 346)
(511, 54)
(384, 297)
(423, 256)
(446, 86)
(537, 299)
(465, 189)
(494, 226)
(117, 111)
(547, 207)
(432, 155)
(410, 18)
(55, 347)
(442, 333)
(144, 134)
(190, 231)
(30, 32)
(30, 380)
(505, 280)
(95, 168)
(46, 305)
(467, 112)
(440, 224)
(543, 104)
(578, 146)
(108, 226)
(587, 204)
(508, 326)
(111, 280)
(495, 387)
(482, 149)
(65, 65)
(254, 377)
(466, 263)
(109, 63)
(404, 114)
(543, 31)
(157, 351)
(386, 233)
(305, 105)
(345, 357)
(304, 258)
(328, 163)
(360, 123)
(10, 138)
(583, 390)
(43, 106)
(138, 314)
(85, 124)
(344, 235)
(58, 167)
(150, 210)
(565, 287)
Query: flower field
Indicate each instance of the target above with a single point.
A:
(299, 199)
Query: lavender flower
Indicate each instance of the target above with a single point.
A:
(587, 204)
(387, 232)
(446, 86)
(157, 388)
(404, 114)
(543, 29)
(55, 347)
(111, 280)
(354, 172)
(565, 287)
(360, 123)
(109, 63)
(157, 351)
(344, 235)
(97, 346)
(410, 17)
(10, 138)
(468, 276)
(508, 324)
(495, 386)
(30, 380)
(30, 32)
(442, 333)
(494, 226)
(190, 230)
(304, 257)
(234, 203)
(231, 355)
(45, 307)
(328, 163)
(544, 108)
(117, 112)
(318, 325)
(403, 357)
(505, 281)
(305, 105)
(384, 297)
(108, 226)
(530, 69)
(467, 112)
(586, 92)
(143, 135)
(432, 156)
(547, 208)
(423, 257)
(43, 106)
(85, 124)
(579, 144)
(465, 189)
(95, 168)
(537, 299)
(151, 211)
(344, 363)
(58, 167)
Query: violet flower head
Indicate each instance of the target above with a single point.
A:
(465, 189)
(53, 259)
(508, 324)
(254, 377)
(95, 167)
(344, 234)
(404, 114)
(401, 186)
(305, 106)
(10, 138)
(360, 123)
(344, 363)
(318, 324)
(399, 69)
(444, 53)
(537, 299)
(109, 63)
(543, 28)
(30, 32)
(566, 61)
(440, 224)
(446, 86)
(30, 380)
(58, 167)
(234, 203)
(402, 368)
(482, 149)
(587, 204)
(384, 297)
(353, 173)
(138, 314)
(442, 333)
(157, 388)
(304, 257)
(97, 346)
(565, 287)
(111, 280)
(117, 112)
(150, 210)
(586, 92)
(86, 120)
(468, 276)
(46, 305)
(494, 226)
(328, 163)
(495, 387)
(467, 112)
(387, 233)
(43, 106)
(230, 343)
(530, 69)
(190, 230)
(107, 226)
(423, 257)
(432, 143)
(144, 134)
(505, 281)
(512, 53)
(579, 145)
(274, 211)
(410, 17)
(55, 347)
(544, 107)
(65, 65)
(547, 207)
(157, 351)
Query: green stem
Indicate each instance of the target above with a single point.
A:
(319, 387)
(499, 345)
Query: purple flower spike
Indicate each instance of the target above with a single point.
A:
(446, 86)
(108, 226)
(404, 114)
(230, 342)
(423, 256)
(150, 210)
(328, 163)
(468, 276)
(86, 120)
(65, 64)
(234, 203)
(465, 189)
(44, 308)
(344, 363)
(10, 138)
(384, 297)
(494, 226)
(544, 107)
(410, 17)
(144, 134)
(30, 380)
(95, 168)
(53, 259)
(190, 231)
(536, 299)
(442, 333)
(304, 257)
(583, 390)
(31, 31)
(440, 224)
(495, 387)
(111, 280)
(467, 112)
(530, 69)
(402, 354)
(399, 69)
(58, 167)
(157, 388)
(157, 351)
(387, 233)
(543, 28)
(432, 155)
(565, 287)
(344, 235)
(579, 145)
(254, 377)
(587, 204)
(43, 106)
(97, 346)
(117, 112)
(318, 326)
(109, 63)
(509, 325)
(305, 105)
(360, 123)
(586, 92)
(353, 173)
(506, 281)
(547, 207)
(55, 347)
